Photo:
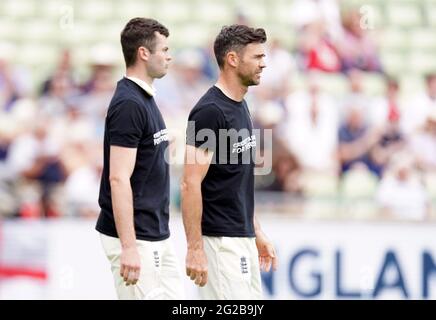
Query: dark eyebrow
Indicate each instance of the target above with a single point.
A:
(260, 55)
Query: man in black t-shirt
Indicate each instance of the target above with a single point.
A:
(225, 242)
(134, 190)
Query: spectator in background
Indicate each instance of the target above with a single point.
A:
(305, 12)
(209, 70)
(387, 109)
(34, 157)
(241, 18)
(276, 76)
(94, 103)
(64, 67)
(15, 80)
(269, 100)
(286, 171)
(310, 130)
(77, 135)
(357, 48)
(417, 110)
(8, 90)
(401, 194)
(423, 144)
(391, 141)
(316, 50)
(7, 134)
(82, 159)
(285, 175)
(184, 85)
(356, 97)
(54, 102)
(355, 141)
(97, 91)
(103, 59)
(8, 198)
(385, 116)
(14, 124)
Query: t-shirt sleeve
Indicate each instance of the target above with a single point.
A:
(127, 122)
(204, 124)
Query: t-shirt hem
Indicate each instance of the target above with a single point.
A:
(138, 237)
(230, 235)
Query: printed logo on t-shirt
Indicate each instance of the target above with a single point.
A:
(244, 145)
(160, 136)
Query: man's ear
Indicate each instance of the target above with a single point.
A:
(232, 59)
(143, 53)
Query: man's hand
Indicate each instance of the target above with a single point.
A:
(267, 254)
(196, 266)
(130, 265)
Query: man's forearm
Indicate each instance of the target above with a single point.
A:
(122, 203)
(192, 210)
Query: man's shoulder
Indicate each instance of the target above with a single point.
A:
(127, 91)
(124, 101)
(124, 96)
(206, 108)
(208, 103)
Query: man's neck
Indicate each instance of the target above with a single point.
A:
(135, 72)
(231, 87)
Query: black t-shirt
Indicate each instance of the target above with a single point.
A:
(134, 121)
(228, 188)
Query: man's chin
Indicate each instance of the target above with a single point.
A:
(159, 76)
(255, 82)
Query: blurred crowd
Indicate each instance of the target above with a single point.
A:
(337, 149)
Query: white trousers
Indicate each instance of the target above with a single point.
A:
(233, 269)
(160, 276)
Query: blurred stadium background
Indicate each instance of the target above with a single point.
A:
(349, 91)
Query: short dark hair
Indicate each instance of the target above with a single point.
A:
(235, 37)
(140, 32)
